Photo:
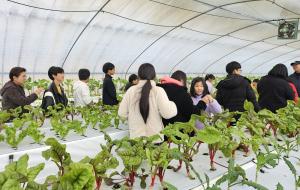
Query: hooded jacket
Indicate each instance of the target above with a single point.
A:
(233, 91)
(274, 93)
(14, 96)
(81, 94)
(179, 95)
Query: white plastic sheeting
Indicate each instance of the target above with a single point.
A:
(196, 36)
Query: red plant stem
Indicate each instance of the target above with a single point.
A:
(212, 153)
(180, 165)
(153, 177)
(187, 169)
(161, 174)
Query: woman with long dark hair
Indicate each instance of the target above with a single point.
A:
(274, 89)
(145, 104)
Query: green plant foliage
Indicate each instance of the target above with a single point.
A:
(17, 175)
(57, 153)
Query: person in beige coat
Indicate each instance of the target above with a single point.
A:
(145, 104)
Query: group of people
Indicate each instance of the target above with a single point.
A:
(149, 107)
(13, 93)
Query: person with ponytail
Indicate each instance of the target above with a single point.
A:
(145, 104)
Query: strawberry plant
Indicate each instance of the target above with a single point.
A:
(17, 175)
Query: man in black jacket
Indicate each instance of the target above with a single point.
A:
(235, 89)
(295, 77)
(109, 93)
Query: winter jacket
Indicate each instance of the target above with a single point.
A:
(233, 91)
(180, 96)
(212, 108)
(81, 94)
(109, 93)
(159, 107)
(295, 78)
(295, 92)
(52, 97)
(14, 96)
(274, 93)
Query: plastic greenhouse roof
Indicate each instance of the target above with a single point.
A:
(196, 36)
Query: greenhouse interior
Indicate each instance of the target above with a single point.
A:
(149, 94)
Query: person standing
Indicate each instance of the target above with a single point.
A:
(13, 94)
(209, 78)
(145, 104)
(274, 90)
(295, 77)
(109, 94)
(235, 89)
(81, 89)
(55, 93)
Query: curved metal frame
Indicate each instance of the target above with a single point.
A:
(178, 26)
(83, 31)
(195, 50)
(269, 60)
(166, 33)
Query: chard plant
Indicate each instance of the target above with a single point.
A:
(101, 163)
(14, 134)
(219, 135)
(132, 153)
(235, 176)
(57, 154)
(184, 135)
(68, 83)
(17, 175)
(159, 158)
(4, 117)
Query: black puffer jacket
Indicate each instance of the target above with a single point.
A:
(295, 78)
(233, 91)
(182, 99)
(274, 93)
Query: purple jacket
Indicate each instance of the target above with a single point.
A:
(212, 108)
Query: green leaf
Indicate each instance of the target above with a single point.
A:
(168, 186)
(291, 166)
(34, 171)
(209, 135)
(254, 185)
(12, 184)
(279, 187)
